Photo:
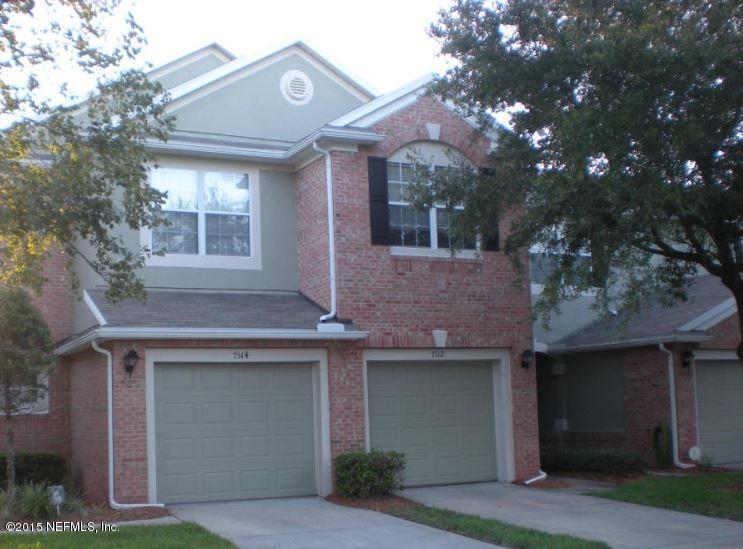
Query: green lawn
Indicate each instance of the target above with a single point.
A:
(492, 531)
(713, 494)
(173, 536)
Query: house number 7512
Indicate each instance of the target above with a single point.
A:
(437, 354)
(240, 355)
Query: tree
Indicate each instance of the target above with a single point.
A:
(624, 142)
(25, 362)
(69, 173)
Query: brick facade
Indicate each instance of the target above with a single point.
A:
(400, 300)
(49, 432)
(725, 335)
(88, 461)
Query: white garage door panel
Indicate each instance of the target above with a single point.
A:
(234, 431)
(720, 409)
(439, 414)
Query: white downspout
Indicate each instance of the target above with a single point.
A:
(672, 398)
(331, 232)
(110, 385)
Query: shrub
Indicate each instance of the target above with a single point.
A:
(35, 468)
(33, 502)
(368, 474)
(662, 444)
(606, 461)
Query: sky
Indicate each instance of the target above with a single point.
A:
(383, 42)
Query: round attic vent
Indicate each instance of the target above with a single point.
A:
(296, 87)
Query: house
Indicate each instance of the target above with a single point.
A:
(302, 308)
(612, 381)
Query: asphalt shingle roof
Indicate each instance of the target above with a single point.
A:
(653, 320)
(207, 309)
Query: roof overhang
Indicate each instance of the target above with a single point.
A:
(712, 317)
(559, 349)
(327, 135)
(106, 333)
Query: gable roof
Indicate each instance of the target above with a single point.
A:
(370, 113)
(245, 65)
(708, 303)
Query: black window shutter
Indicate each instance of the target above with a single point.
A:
(491, 238)
(491, 234)
(378, 201)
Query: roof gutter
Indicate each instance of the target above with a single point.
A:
(110, 386)
(331, 233)
(106, 333)
(635, 342)
(336, 134)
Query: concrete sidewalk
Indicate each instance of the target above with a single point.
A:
(313, 522)
(621, 525)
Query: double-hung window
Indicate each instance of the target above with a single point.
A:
(210, 216)
(426, 229)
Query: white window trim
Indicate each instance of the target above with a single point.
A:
(433, 250)
(412, 251)
(201, 260)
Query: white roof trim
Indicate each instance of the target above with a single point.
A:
(104, 334)
(714, 354)
(180, 62)
(636, 342)
(381, 107)
(94, 308)
(713, 316)
(342, 135)
(241, 67)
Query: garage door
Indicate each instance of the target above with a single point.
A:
(440, 415)
(234, 431)
(720, 408)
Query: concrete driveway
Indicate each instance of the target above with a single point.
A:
(621, 525)
(313, 522)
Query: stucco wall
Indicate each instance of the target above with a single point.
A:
(253, 106)
(278, 247)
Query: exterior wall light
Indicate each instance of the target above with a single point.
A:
(687, 359)
(130, 361)
(526, 358)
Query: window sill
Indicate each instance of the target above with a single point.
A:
(204, 261)
(404, 251)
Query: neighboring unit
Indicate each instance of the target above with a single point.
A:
(615, 381)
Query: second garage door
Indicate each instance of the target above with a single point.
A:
(720, 408)
(439, 414)
(234, 431)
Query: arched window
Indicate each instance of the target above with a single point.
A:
(419, 228)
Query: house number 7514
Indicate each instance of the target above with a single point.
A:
(240, 355)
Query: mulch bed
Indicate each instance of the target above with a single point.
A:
(613, 479)
(734, 488)
(106, 514)
(550, 484)
(381, 504)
